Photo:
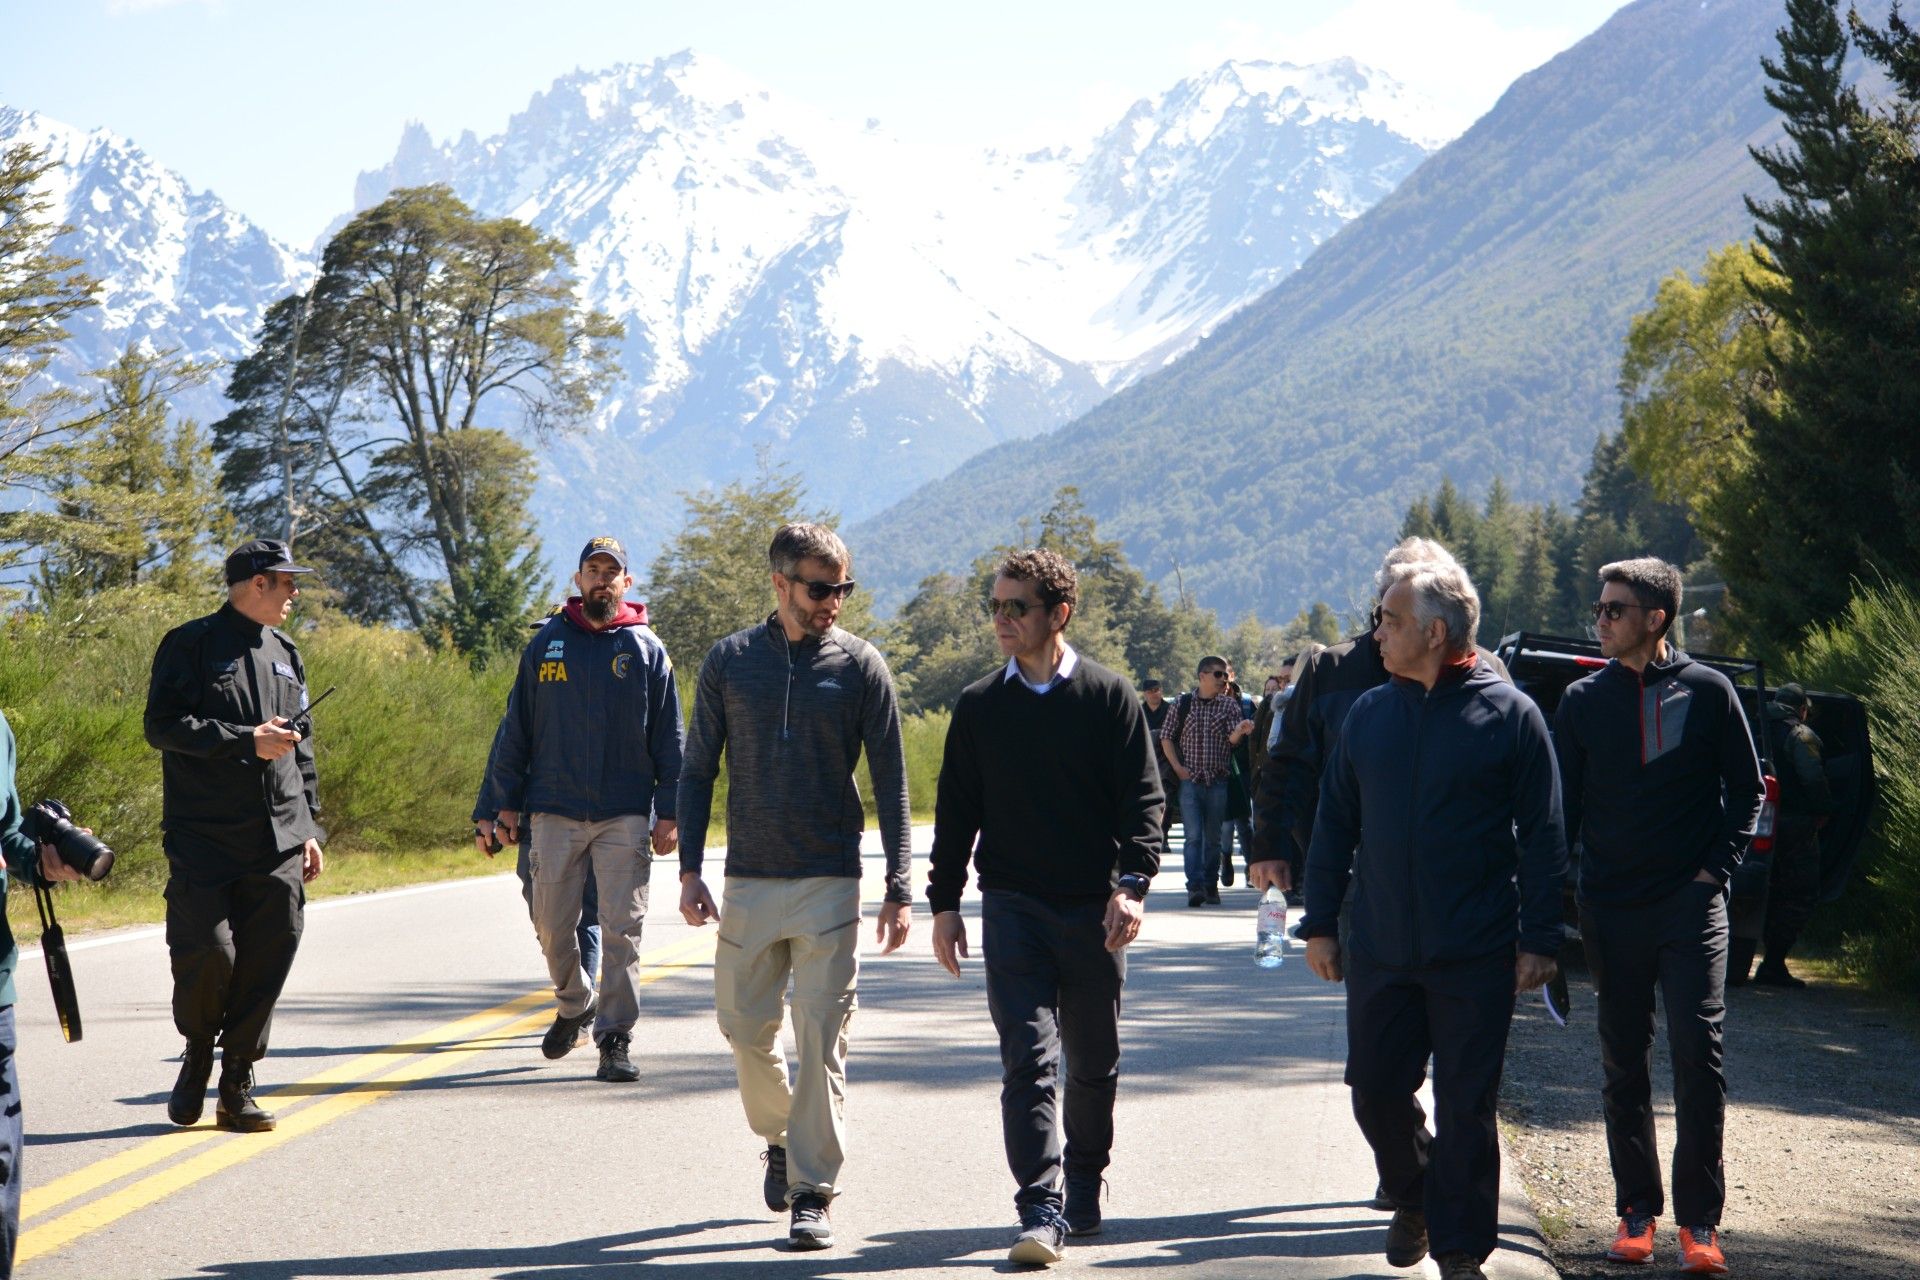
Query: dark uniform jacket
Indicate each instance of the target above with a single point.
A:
(1805, 793)
(225, 811)
(1452, 799)
(592, 729)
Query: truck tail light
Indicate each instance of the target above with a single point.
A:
(1769, 810)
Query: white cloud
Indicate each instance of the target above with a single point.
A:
(1459, 59)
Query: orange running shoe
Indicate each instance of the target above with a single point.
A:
(1700, 1252)
(1635, 1241)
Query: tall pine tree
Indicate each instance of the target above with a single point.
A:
(1835, 492)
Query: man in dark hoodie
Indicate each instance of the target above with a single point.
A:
(588, 753)
(1444, 780)
(793, 702)
(1662, 790)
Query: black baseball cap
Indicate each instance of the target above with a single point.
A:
(604, 547)
(262, 555)
(1148, 686)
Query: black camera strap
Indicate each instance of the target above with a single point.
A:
(53, 947)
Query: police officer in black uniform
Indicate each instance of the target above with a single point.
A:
(238, 821)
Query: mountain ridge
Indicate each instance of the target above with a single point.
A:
(1468, 324)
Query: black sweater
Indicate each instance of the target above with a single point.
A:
(1660, 777)
(1060, 789)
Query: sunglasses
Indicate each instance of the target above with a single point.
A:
(1613, 609)
(821, 590)
(1217, 675)
(1012, 610)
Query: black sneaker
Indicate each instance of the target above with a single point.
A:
(566, 1033)
(615, 1065)
(1381, 1200)
(810, 1227)
(1226, 872)
(1460, 1266)
(1042, 1240)
(1407, 1238)
(236, 1109)
(1196, 899)
(1213, 897)
(774, 1186)
(189, 1095)
(1083, 1204)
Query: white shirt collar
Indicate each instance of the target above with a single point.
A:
(1068, 661)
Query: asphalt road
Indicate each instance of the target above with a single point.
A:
(422, 1134)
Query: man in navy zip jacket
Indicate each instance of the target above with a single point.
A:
(1444, 780)
(1662, 789)
(589, 751)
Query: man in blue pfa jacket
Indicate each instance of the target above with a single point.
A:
(589, 751)
(1444, 780)
(1663, 790)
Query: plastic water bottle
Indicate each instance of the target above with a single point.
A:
(1270, 943)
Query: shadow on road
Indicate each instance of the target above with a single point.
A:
(1204, 1241)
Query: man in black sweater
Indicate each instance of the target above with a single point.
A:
(1663, 790)
(1049, 765)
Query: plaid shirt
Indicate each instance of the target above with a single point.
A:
(1203, 738)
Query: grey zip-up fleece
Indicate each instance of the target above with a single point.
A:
(793, 719)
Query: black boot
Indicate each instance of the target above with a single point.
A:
(236, 1109)
(189, 1095)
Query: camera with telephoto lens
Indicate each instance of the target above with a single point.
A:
(51, 822)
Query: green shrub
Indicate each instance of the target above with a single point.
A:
(400, 747)
(1869, 653)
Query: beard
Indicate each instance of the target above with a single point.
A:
(600, 609)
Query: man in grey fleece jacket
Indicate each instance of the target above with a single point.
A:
(793, 702)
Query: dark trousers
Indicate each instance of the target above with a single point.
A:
(1054, 991)
(232, 947)
(1458, 1014)
(1794, 888)
(1679, 946)
(12, 1141)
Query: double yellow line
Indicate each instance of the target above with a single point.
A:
(335, 1093)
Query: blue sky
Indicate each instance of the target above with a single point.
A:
(277, 105)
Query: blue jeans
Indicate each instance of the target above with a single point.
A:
(1203, 812)
(589, 907)
(12, 1139)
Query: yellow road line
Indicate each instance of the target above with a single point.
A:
(38, 1200)
(444, 1047)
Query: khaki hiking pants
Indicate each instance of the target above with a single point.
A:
(807, 930)
(617, 849)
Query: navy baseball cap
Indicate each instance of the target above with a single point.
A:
(604, 547)
(262, 555)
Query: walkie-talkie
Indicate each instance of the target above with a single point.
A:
(302, 724)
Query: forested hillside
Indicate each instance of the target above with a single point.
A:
(1468, 325)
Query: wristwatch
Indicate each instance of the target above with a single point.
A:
(1136, 884)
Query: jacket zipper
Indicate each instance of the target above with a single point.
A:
(1641, 705)
(1413, 872)
(786, 701)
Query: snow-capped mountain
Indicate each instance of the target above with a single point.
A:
(177, 267)
(874, 312)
